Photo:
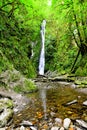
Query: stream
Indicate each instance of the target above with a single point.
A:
(53, 100)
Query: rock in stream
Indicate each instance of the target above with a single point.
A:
(6, 111)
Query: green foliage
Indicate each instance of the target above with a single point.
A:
(4, 63)
(50, 50)
(82, 69)
(28, 86)
(15, 39)
(66, 33)
(13, 79)
(68, 17)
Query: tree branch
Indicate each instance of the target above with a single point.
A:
(10, 3)
(72, 69)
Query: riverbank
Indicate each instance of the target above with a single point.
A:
(32, 115)
(20, 100)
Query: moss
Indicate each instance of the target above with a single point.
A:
(9, 104)
(5, 117)
(27, 86)
(82, 86)
(6, 103)
(4, 63)
(81, 82)
(81, 71)
(78, 82)
(18, 89)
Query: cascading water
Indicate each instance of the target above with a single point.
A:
(42, 65)
(42, 55)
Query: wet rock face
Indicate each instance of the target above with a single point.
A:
(6, 111)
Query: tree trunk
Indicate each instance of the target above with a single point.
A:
(83, 39)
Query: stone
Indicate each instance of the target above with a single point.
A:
(72, 102)
(62, 128)
(58, 121)
(82, 123)
(22, 128)
(52, 114)
(77, 128)
(17, 128)
(50, 124)
(15, 110)
(3, 128)
(55, 128)
(6, 103)
(66, 123)
(85, 103)
(26, 123)
(33, 128)
(5, 116)
(6, 110)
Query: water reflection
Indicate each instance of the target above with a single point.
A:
(43, 98)
(52, 98)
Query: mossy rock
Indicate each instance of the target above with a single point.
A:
(5, 116)
(77, 82)
(82, 86)
(84, 82)
(27, 86)
(14, 80)
(6, 111)
(80, 82)
(6, 103)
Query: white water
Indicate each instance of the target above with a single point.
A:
(42, 55)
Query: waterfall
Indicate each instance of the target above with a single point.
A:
(42, 55)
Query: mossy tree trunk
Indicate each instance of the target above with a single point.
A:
(81, 36)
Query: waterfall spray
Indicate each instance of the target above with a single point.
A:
(42, 55)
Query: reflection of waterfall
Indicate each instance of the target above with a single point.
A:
(42, 55)
(32, 52)
(43, 97)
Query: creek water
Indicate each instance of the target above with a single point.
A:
(43, 98)
(51, 102)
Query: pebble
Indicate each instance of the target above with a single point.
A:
(33, 128)
(72, 102)
(77, 128)
(45, 125)
(50, 124)
(62, 128)
(82, 123)
(58, 121)
(22, 128)
(26, 123)
(52, 114)
(15, 110)
(55, 128)
(2, 128)
(66, 123)
(85, 103)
